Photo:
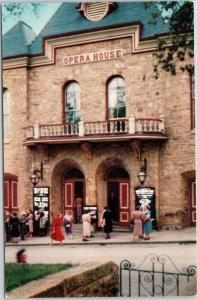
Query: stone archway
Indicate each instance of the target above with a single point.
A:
(101, 181)
(57, 184)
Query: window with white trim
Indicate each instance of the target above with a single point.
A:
(72, 102)
(116, 98)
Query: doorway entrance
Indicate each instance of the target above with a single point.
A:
(192, 204)
(74, 189)
(118, 195)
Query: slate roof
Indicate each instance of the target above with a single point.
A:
(67, 20)
(17, 39)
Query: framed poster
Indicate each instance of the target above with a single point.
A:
(146, 195)
(94, 212)
(41, 200)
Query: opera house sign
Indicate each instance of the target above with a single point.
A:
(92, 57)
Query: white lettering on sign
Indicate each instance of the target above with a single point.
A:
(92, 57)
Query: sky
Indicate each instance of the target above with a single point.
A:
(36, 23)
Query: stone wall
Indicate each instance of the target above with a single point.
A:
(86, 280)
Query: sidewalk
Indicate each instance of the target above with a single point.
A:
(186, 235)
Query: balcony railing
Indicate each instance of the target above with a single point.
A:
(129, 126)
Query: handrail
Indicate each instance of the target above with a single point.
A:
(108, 127)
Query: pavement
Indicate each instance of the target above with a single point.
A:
(184, 236)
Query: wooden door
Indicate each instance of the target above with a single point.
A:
(124, 203)
(193, 204)
(69, 192)
(10, 196)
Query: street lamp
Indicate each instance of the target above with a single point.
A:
(35, 178)
(142, 175)
(37, 175)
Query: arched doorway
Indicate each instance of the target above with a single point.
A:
(74, 187)
(118, 195)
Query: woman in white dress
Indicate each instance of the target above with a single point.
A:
(86, 219)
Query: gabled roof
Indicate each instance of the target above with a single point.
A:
(17, 39)
(67, 19)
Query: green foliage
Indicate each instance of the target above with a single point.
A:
(19, 274)
(17, 9)
(180, 17)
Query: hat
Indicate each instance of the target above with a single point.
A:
(21, 251)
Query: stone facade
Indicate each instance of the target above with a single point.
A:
(37, 97)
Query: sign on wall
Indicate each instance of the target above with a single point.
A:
(92, 57)
(41, 200)
(146, 195)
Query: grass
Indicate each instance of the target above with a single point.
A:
(19, 274)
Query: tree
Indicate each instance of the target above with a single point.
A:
(179, 15)
(17, 9)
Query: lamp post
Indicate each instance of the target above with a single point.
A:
(142, 175)
(37, 175)
(35, 178)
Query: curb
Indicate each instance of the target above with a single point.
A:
(104, 243)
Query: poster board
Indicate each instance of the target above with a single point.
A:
(41, 200)
(146, 195)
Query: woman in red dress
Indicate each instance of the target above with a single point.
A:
(56, 233)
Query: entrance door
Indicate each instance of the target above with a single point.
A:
(124, 203)
(193, 203)
(113, 200)
(69, 192)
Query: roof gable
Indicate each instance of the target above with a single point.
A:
(17, 39)
(67, 20)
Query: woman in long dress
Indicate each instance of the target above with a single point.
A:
(86, 219)
(79, 208)
(30, 222)
(147, 223)
(68, 224)
(137, 217)
(107, 222)
(56, 233)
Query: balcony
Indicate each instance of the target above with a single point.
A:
(112, 130)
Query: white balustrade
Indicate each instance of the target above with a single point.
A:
(30, 132)
(131, 126)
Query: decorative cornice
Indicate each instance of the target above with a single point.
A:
(51, 44)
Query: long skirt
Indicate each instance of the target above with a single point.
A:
(137, 229)
(86, 228)
(147, 226)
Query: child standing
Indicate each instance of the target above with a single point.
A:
(68, 224)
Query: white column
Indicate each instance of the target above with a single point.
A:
(36, 131)
(81, 128)
(132, 125)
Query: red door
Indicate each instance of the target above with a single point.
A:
(124, 203)
(193, 204)
(69, 192)
(10, 195)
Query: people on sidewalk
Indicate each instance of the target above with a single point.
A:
(107, 222)
(86, 220)
(7, 227)
(30, 222)
(79, 209)
(14, 227)
(23, 227)
(68, 224)
(56, 231)
(147, 222)
(42, 224)
(137, 218)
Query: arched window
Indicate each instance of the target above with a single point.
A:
(72, 102)
(6, 113)
(116, 98)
